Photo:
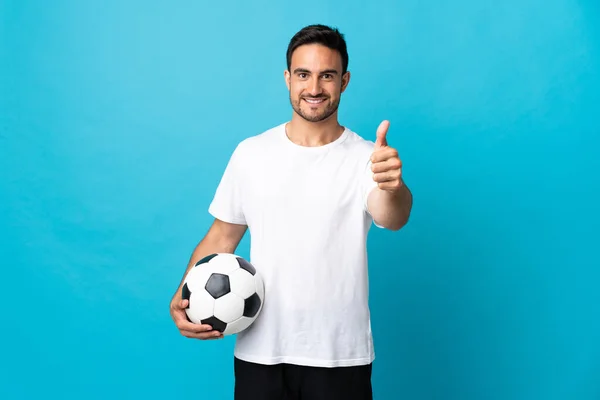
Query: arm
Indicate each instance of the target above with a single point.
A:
(390, 210)
(222, 237)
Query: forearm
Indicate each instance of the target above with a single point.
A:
(390, 210)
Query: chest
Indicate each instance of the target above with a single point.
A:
(301, 189)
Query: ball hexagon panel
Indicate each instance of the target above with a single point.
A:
(194, 279)
(229, 307)
(202, 306)
(224, 263)
(242, 283)
(214, 263)
(238, 325)
(260, 287)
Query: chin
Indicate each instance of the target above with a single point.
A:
(314, 118)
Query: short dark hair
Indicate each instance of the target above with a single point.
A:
(319, 34)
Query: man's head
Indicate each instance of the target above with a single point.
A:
(317, 71)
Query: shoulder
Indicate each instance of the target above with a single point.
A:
(359, 146)
(259, 143)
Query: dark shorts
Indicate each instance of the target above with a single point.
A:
(295, 382)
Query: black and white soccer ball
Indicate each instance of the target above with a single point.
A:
(224, 291)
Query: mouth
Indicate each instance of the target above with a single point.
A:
(314, 101)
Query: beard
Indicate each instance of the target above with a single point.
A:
(327, 110)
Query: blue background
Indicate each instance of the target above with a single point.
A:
(116, 122)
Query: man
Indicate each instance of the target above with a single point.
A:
(308, 191)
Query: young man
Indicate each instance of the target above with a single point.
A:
(308, 191)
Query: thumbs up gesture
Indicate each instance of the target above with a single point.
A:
(386, 165)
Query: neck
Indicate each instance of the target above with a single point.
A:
(312, 134)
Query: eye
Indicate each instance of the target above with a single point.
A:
(302, 75)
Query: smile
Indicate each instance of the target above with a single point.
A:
(314, 101)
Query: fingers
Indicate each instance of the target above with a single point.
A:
(183, 323)
(196, 331)
(179, 306)
(210, 335)
(188, 328)
(387, 176)
(393, 185)
(387, 173)
(384, 154)
(387, 165)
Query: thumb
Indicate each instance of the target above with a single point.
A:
(382, 130)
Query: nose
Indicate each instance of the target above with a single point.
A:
(314, 87)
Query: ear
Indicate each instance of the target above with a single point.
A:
(286, 75)
(345, 81)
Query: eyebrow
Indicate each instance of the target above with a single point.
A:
(304, 70)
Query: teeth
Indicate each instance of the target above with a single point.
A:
(314, 101)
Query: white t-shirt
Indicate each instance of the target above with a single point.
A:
(305, 208)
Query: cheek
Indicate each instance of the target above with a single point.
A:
(333, 90)
(297, 94)
(296, 89)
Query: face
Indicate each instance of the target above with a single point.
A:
(315, 82)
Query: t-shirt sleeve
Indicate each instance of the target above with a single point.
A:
(368, 184)
(226, 204)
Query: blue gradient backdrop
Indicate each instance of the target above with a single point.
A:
(118, 117)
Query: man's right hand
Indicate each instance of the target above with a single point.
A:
(187, 328)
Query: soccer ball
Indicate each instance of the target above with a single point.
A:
(224, 291)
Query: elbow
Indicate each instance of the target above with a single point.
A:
(400, 219)
(397, 225)
(390, 212)
(393, 224)
(404, 215)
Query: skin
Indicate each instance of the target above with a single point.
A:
(315, 73)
